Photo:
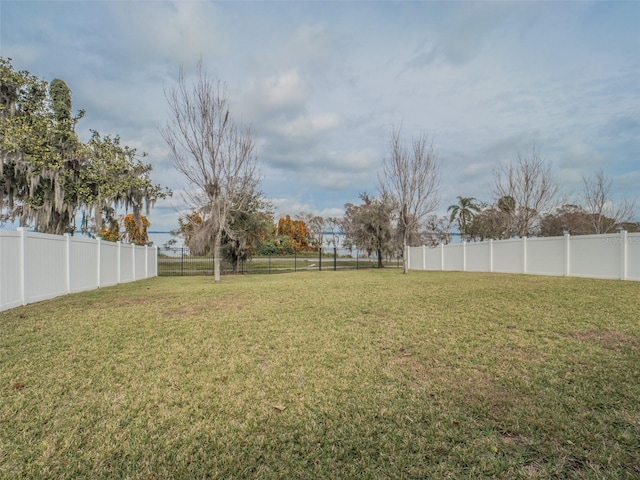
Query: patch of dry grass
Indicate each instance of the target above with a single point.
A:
(362, 374)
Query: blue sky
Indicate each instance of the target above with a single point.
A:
(323, 83)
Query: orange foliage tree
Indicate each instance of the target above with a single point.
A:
(111, 234)
(297, 231)
(136, 232)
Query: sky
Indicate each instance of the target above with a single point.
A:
(322, 85)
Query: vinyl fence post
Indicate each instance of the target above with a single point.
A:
(524, 254)
(464, 256)
(623, 254)
(119, 262)
(424, 257)
(23, 265)
(407, 252)
(98, 260)
(567, 255)
(490, 255)
(133, 261)
(442, 257)
(67, 273)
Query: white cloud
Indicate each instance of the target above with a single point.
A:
(308, 126)
(283, 91)
(180, 32)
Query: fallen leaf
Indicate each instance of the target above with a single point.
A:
(18, 386)
(280, 408)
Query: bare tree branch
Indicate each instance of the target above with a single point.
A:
(529, 184)
(605, 214)
(412, 181)
(216, 156)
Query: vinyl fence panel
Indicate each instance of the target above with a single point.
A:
(36, 266)
(416, 258)
(633, 256)
(545, 256)
(615, 256)
(127, 266)
(478, 257)
(152, 262)
(45, 267)
(109, 263)
(10, 269)
(454, 259)
(434, 258)
(140, 262)
(596, 256)
(507, 256)
(83, 266)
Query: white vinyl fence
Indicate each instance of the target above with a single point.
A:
(37, 266)
(615, 256)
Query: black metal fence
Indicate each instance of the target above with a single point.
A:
(179, 261)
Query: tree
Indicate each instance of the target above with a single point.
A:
(436, 231)
(136, 229)
(316, 225)
(528, 187)
(463, 211)
(110, 231)
(114, 177)
(191, 223)
(297, 231)
(333, 226)
(567, 218)
(368, 226)
(411, 183)
(215, 155)
(47, 175)
(492, 222)
(606, 214)
(249, 228)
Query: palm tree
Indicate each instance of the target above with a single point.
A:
(464, 211)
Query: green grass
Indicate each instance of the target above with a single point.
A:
(355, 374)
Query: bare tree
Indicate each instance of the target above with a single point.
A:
(411, 180)
(333, 226)
(605, 214)
(529, 183)
(215, 155)
(316, 226)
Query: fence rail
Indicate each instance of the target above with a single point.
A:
(37, 266)
(614, 256)
(179, 261)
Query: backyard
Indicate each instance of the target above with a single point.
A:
(349, 374)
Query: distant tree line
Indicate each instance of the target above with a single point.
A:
(527, 203)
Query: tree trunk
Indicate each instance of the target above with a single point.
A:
(379, 252)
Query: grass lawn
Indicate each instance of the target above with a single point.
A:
(353, 374)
